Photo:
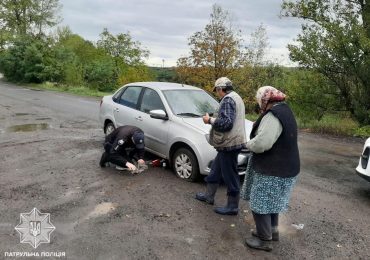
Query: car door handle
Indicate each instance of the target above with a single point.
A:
(116, 109)
(139, 118)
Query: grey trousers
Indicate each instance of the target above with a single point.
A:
(266, 224)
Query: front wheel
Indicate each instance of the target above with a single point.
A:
(185, 164)
(109, 128)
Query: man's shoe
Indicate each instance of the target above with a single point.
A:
(209, 195)
(232, 207)
(103, 160)
(275, 235)
(256, 243)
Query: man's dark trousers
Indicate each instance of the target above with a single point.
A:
(121, 158)
(225, 166)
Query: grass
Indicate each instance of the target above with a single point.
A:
(79, 90)
(334, 124)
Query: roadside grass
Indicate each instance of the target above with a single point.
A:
(78, 90)
(333, 124)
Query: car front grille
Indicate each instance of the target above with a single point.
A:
(365, 158)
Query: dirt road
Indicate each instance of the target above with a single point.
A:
(50, 144)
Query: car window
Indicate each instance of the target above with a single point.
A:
(190, 102)
(116, 96)
(151, 101)
(130, 97)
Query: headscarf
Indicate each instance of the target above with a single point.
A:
(268, 94)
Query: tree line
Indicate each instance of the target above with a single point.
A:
(332, 52)
(28, 54)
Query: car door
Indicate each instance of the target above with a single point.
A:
(155, 130)
(126, 109)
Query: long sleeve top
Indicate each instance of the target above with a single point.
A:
(226, 116)
(268, 132)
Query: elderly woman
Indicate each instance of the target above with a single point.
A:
(273, 166)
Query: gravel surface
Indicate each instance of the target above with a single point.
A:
(50, 145)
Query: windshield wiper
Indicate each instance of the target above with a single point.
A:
(189, 114)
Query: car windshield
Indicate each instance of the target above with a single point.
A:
(189, 102)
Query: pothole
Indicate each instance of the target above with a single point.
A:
(27, 127)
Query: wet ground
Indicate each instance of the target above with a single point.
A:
(50, 145)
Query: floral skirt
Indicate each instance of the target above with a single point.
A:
(266, 194)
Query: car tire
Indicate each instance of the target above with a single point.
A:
(109, 128)
(185, 165)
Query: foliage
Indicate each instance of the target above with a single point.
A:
(335, 41)
(68, 59)
(27, 17)
(362, 131)
(100, 74)
(218, 51)
(214, 52)
(123, 48)
(164, 74)
(24, 61)
(310, 94)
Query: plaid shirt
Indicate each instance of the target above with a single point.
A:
(225, 120)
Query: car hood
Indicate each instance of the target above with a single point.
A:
(198, 124)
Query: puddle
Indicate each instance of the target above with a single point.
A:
(43, 118)
(27, 127)
(102, 209)
(22, 114)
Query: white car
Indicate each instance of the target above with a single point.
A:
(170, 115)
(363, 168)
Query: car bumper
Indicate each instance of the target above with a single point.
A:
(243, 158)
(363, 175)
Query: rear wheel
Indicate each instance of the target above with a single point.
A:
(185, 164)
(109, 128)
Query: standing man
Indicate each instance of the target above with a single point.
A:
(119, 142)
(228, 137)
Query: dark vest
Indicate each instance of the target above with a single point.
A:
(282, 160)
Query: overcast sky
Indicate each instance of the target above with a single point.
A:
(164, 26)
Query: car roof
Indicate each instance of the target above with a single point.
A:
(162, 85)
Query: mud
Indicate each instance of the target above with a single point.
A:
(27, 127)
(109, 214)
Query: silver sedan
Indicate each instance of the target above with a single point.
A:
(170, 115)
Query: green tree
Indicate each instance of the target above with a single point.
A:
(24, 61)
(335, 42)
(21, 17)
(123, 48)
(128, 56)
(310, 94)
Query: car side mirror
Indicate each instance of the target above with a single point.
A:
(158, 114)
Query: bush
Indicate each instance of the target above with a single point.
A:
(363, 131)
(101, 75)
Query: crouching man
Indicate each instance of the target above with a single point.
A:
(122, 145)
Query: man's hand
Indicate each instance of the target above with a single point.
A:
(141, 161)
(206, 118)
(131, 166)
